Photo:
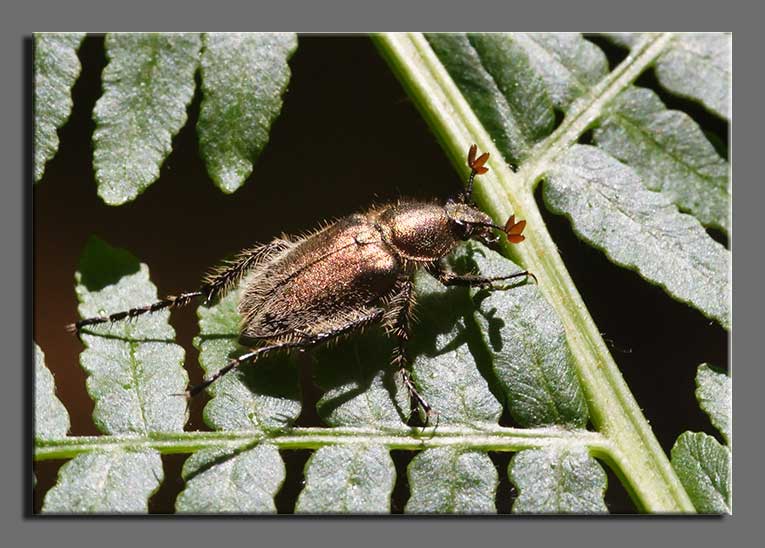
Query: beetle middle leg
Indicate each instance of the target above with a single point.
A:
(236, 362)
(304, 342)
(402, 306)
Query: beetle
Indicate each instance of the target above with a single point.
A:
(298, 293)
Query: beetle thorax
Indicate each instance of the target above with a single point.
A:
(417, 231)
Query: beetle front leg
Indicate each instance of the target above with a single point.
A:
(402, 306)
(449, 278)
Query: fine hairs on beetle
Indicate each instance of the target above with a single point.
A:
(298, 293)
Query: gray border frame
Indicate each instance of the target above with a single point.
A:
(336, 16)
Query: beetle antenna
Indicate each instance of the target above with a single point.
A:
(513, 230)
(476, 166)
(487, 225)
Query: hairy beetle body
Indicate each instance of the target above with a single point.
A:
(352, 273)
(346, 271)
(417, 231)
(319, 282)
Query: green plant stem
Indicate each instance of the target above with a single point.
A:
(484, 437)
(634, 452)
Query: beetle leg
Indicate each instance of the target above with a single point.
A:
(223, 278)
(449, 278)
(308, 340)
(413, 393)
(215, 285)
(403, 306)
(236, 362)
(312, 339)
(168, 302)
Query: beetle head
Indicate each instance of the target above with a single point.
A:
(472, 223)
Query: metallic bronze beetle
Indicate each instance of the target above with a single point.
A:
(352, 273)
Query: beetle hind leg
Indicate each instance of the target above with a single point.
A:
(214, 286)
(399, 321)
(168, 302)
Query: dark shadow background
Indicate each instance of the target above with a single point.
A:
(347, 136)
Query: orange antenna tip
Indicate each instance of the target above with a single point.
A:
(471, 154)
(514, 231)
(477, 164)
